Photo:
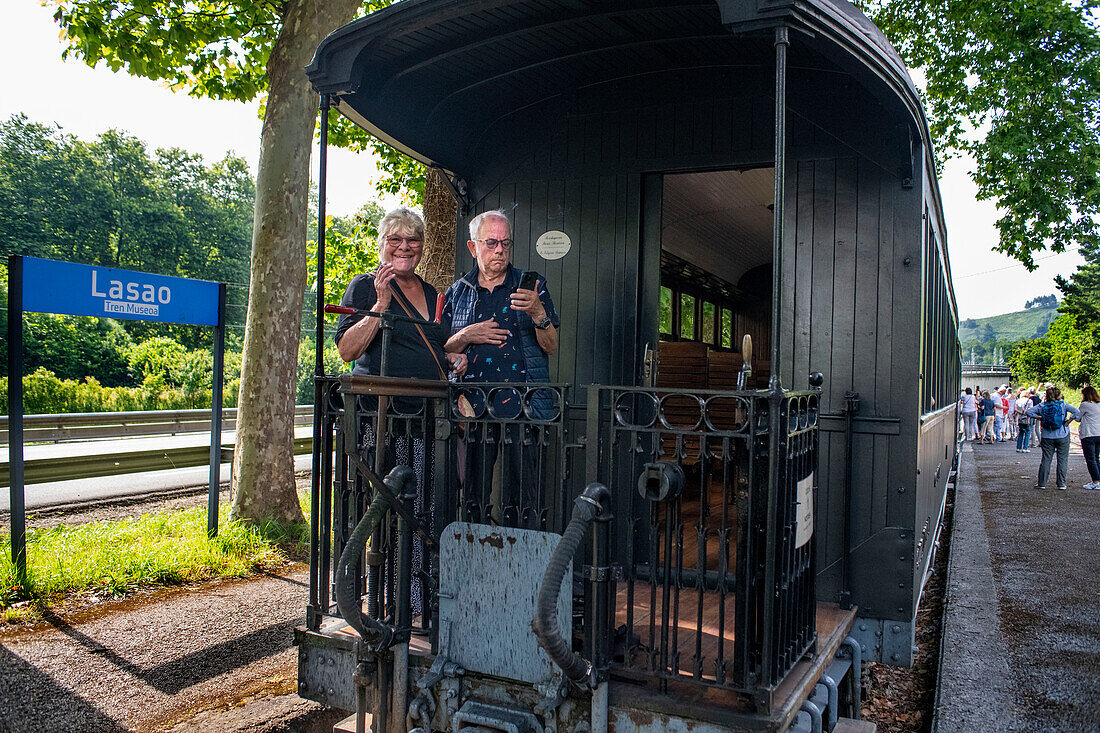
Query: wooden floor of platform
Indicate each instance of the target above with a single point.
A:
(693, 635)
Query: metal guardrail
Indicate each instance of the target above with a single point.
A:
(60, 428)
(117, 462)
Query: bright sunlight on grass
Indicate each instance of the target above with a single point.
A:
(117, 557)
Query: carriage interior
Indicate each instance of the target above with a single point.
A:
(716, 277)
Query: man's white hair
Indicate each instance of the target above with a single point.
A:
(477, 221)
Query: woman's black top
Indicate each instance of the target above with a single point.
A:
(409, 355)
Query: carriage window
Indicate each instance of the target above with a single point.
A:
(666, 311)
(708, 323)
(727, 328)
(687, 317)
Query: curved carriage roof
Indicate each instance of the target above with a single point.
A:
(431, 76)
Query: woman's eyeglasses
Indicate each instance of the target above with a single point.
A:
(396, 241)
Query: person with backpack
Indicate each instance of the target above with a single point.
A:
(1090, 434)
(1054, 417)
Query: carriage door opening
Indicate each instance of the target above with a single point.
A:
(716, 277)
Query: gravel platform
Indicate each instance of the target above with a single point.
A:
(220, 651)
(1022, 627)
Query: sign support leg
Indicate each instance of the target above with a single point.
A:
(15, 417)
(216, 417)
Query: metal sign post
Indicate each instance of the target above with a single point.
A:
(15, 417)
(50, 286)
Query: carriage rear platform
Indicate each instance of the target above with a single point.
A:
(711, 539)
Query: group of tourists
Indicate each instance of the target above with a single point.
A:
(1004, 414)
(999, 416)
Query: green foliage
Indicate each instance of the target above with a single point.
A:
(1067, 354)
(45, 394)
(1082, 289)
(111, 559)
(307, 355)
(109, 202)
(212, 49)
(350, 249)
(74, 347)
(1043, 301)
(1024, 74)
(401, 174)
(1010, 327)
(1031, 360)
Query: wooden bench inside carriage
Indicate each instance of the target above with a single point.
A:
(696, 366)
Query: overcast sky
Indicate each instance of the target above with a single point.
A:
(86, 102)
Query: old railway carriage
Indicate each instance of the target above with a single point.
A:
(684, 173)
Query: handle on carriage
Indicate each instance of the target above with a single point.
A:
(746, 365)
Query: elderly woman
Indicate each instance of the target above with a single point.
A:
(394, 287)
(415, 351)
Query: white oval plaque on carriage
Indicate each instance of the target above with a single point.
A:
(804, 512)
(553, 245)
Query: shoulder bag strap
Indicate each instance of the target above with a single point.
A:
(411, 312)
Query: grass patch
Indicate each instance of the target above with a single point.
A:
(114, 558)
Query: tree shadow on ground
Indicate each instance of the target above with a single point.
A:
(32, 701)
(171, 677)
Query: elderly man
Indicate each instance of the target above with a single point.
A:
(507, 333)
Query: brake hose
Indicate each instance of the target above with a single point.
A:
(545, 624)
(347, 599)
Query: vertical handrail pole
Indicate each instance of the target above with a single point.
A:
(775, 445)
(781, 44)
(216, 400)
(318, 371)
(15, 417)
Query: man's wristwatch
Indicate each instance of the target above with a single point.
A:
(543, 324)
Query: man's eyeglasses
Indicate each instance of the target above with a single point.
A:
(494, 243)
(396, 241)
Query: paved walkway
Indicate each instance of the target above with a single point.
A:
(1021, 646)
(149, 662)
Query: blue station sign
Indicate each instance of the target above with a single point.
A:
(50, 286)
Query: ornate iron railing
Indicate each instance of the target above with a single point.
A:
(700, 573)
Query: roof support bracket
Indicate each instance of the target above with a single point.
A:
(457, 187)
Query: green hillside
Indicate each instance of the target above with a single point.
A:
(1025, 324)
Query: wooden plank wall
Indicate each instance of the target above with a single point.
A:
(850, 303)
(849, 310)
(565, 185)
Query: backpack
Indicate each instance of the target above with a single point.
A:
(1051, 415)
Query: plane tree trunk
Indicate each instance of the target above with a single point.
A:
(263, 462)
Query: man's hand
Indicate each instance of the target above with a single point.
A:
(529, 302)
(485, 332)
(458, 364)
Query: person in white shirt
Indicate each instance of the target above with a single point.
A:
(969, 409)
(999, 410)
(1090, 434)
(1023, 422)
(1012, 415)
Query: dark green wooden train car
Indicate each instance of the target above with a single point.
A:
(674, 206)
